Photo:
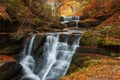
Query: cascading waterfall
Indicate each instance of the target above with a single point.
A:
(57, 57)
(76, 19)
(27, 62)
(50, 51)
(68, 19)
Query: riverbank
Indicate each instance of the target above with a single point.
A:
(93, 67)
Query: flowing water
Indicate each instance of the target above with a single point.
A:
(57, 57)
(76, 19)
(68, 19)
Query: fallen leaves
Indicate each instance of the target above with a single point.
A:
(108, 68)
(6, 58)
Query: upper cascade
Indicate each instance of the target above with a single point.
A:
(67, 19)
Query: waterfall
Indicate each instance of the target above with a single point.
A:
(68, 19)
(76, 19)
(57, 57)
(28, 62)
(50, 51)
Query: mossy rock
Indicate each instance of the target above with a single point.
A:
(10, 71)
(88, 39)
(39, 45)
(78, 61)
(110, 42)
(11, 50)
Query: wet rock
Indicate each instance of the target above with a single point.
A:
(63, 37)
(73, 37)
(88, 39)
(86, 49)
(10, 71)
(11, 47)
(71, 24)
(39, 45)
(87, 24)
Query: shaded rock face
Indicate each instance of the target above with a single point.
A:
(10, 71)
(88, 24)
(7, 26)
(84, 49)
(68, 38)
(63, 37)
(111, 50)
(39, 45)
(10, 45)
(71, 24)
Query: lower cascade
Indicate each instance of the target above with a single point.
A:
(57, 54)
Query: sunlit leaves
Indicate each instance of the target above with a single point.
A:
(98, 8)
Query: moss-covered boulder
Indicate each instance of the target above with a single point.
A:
(109, 42)
(89, 39)
(105, 38)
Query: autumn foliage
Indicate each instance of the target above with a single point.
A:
(97, 8)
(98, 68)
(3, 12)
(6, 58)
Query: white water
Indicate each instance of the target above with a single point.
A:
(57, 57)
(68, 19)
(77, 19)
(28, 63)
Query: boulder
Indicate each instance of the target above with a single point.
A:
(10, 71)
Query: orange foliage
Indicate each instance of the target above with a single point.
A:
(114, 20)
(63, 1)
(6, 58)
(3, 12)
(107, 69)
(98, 8)
(65, 10)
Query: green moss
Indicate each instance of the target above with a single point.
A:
(82, 61)
(109, 42)
(92, 62)
(106, 36)
(78, 61)
(88, 39)
(38, 21)
(107, 39)
(10, 49)
(110, 31)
